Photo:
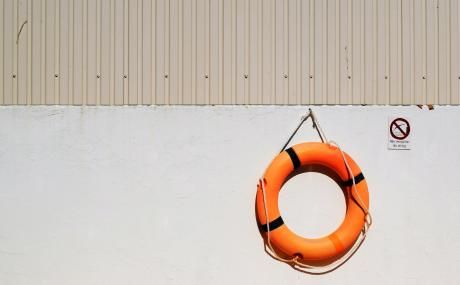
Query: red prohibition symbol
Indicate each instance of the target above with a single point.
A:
(399, 128)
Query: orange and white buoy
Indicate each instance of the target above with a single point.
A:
(313, 253)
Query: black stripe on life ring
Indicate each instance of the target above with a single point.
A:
(349, 182)
(295, 159)
(276, 223)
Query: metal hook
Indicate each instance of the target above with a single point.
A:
(316, 126)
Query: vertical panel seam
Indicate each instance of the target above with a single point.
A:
(57, 51)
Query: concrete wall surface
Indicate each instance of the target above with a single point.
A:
(165, 195)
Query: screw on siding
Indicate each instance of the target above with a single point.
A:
(349, 76)
(166, 76)
(423, 77)
(206, 76)
(125, 76)
(56, 76)
(98, 76)
(311, 76)
(386, 76)
(14, 75)
(246, 76)
(285, 76)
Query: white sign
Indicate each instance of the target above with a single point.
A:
(399, 133)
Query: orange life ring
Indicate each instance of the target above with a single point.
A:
(318, 251)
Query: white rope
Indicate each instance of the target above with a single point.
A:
(267, 221)
(299, 265)
(368, 216)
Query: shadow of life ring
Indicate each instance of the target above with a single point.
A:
(318, 251)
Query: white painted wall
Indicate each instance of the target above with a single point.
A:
(165, 195)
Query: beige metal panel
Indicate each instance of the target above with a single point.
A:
(357, 43)
(9, 44)
(293, 55)
(395, 52)
(64, 55)
(285, 52)
(117, 59)
(126, 75)
(174, 70)
(242, 27)
(382, 50)
(344, 53)
(444, 51)
(162, 46)
(255, 52)
(348, 55)
(456, 30)
(332, 50)
(332, 47)
(323, 50)
(22, 52)
(2, 42)
(15, 53)
(57, 49)
(105, 52)
(86, 36)
(455, 52)
(279, 66)
(246, 53)
(71, 58)
(228, 53)
(153, 44)
(215, 8)
(202, 51)
(79, 88)
(419, 51)
(42, 56)
(188, 65)
(305, 52)
(110, 74)
(116, 52)
(29, 53)
(167, 44)
(98, 28)
(267, 54)
(311, 17)
(132, 52)
(50, 52)
(319, 49)
(432, 52)
(147, 54)
(92, 52)
(407, 53)
(140, 39)
(35, 45)
(369, 50)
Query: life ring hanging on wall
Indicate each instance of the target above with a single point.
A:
(327, 253)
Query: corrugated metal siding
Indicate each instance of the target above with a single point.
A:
(115, 52)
